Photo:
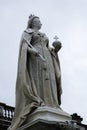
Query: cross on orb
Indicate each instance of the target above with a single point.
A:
(56, 38)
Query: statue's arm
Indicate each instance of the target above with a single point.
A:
(27, 36)
(32, 51)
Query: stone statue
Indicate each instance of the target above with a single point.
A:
(39, 77)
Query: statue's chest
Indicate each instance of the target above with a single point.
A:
(39, 38)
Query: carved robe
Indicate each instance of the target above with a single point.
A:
(38, 82)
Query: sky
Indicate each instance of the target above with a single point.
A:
(65, 18)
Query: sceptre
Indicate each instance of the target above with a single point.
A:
(35, 50)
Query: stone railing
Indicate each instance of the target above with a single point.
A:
(6, 112)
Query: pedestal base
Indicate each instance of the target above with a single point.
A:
(47, 125)
(48, 114)
(44, 118)
(42, 125)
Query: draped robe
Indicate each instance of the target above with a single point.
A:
(38, 82)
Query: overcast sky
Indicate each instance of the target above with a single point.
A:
(65, 18)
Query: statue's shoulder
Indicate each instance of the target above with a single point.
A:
(27, 34)
(29, 31)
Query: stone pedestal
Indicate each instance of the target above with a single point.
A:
(44, 118)
(49, 125)
(48, 114)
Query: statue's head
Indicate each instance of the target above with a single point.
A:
(34, 22)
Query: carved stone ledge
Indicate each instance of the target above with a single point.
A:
(48, 114)
(46, 118)
(49, 125)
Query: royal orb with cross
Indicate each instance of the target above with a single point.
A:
(57, 44)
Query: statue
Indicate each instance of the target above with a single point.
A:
(39, 76)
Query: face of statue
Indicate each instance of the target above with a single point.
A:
(36, 23)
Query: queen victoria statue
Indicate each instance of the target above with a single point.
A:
(39, 78)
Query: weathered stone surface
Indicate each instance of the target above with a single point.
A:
(50, 125)
(45, 118)
(39, 75)
(48, 114)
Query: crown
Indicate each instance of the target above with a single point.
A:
(32, 16)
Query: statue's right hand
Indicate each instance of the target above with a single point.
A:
(33, 51)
